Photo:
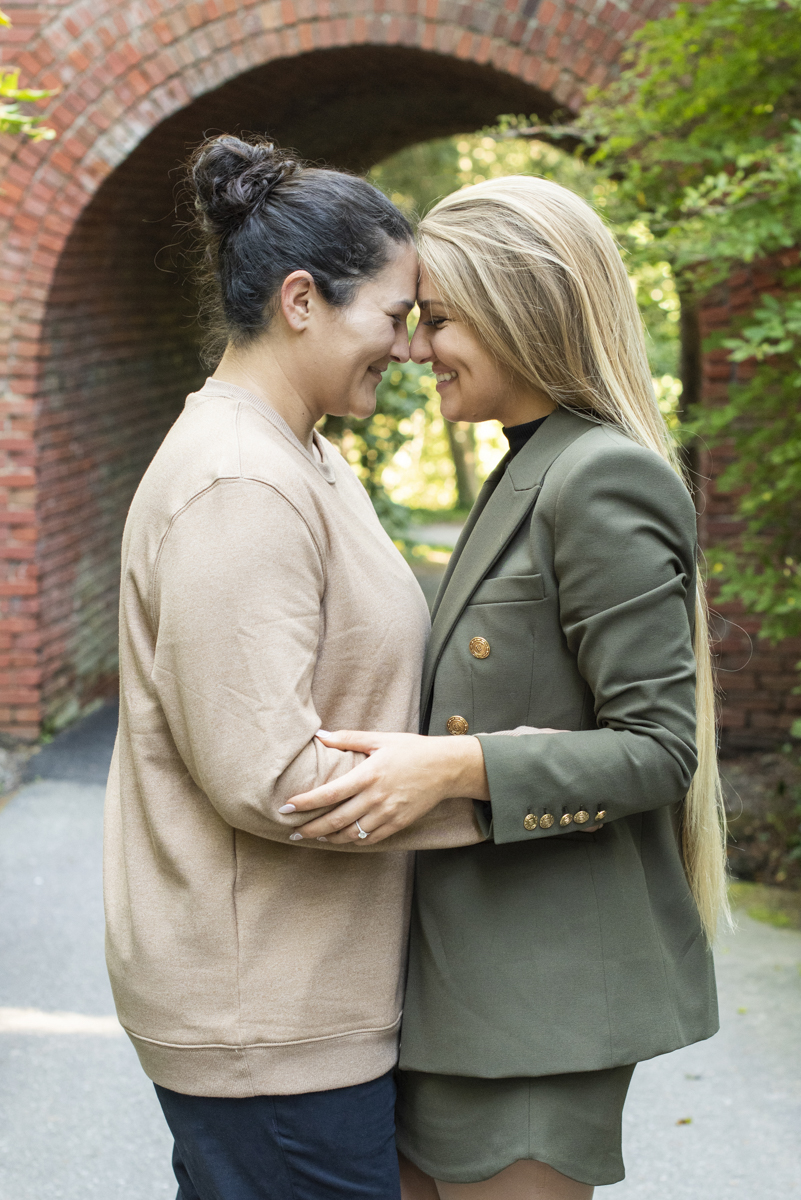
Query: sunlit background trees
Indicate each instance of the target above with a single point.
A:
(694, 159)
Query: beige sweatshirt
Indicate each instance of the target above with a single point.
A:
(261, 600)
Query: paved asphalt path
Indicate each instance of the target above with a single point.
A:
(79, 1121)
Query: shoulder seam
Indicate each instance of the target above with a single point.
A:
(199, 495)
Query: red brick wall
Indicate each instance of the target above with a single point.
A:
(97, 345)
(756, 680)
(120, 356)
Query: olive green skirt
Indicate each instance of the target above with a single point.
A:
(464, 1130)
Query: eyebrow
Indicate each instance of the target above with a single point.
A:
(428, 303)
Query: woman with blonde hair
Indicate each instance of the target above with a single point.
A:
(574, 943)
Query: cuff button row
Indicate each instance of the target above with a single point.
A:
(531, 821)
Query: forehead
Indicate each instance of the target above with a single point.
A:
(399, 275)
(427, 294)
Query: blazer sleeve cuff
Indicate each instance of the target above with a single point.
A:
(522, 811)
(546, 784)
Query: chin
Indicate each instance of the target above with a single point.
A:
(362, 408)
(451, 410)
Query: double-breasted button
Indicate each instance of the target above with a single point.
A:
(546, 821)
(456, 725)
(566, 819)
(581, 817)
(479, 647)
(601, 813)
(529, 821)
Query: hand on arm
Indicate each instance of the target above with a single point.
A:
(404, 777)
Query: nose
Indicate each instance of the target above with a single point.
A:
(420, 348)
(400, 347)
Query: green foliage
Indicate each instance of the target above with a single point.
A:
(12, 120)
(417, 177)
(369, 445)
(774, 905)
(699, 123)
(762, 419)
(702, 133)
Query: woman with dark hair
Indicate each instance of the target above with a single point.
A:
(260, 983)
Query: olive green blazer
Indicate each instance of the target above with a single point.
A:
(568, 603)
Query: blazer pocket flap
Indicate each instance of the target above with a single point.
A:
(508, 589)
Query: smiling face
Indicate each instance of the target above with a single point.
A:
(348, 349)
(472, 385)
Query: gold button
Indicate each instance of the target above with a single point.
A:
(601, 813)
(566, 819)
(530, 821)
(581, 817)
(479, 647)
(457, 725)
(546, 821)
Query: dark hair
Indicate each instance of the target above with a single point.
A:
(261, 214)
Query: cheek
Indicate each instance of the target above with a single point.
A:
(367, 334)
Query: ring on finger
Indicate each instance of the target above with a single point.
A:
(362, 833)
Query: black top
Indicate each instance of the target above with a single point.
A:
(518, 435)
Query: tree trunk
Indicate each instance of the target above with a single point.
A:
(462, 441)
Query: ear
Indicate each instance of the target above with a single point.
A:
(298, 293)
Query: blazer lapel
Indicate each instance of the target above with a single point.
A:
(506, 498)
(482, 499)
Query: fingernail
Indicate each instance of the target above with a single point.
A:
(322, 839)
(285, 808)
(323, 733)
(296, 837)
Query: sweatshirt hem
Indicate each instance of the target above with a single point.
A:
(269, 1068)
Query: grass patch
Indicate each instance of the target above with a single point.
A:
(779, 907)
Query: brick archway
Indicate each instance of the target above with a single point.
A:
(100, 350)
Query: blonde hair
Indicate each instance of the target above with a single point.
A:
(532, 269)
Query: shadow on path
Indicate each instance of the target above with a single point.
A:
(81, 754)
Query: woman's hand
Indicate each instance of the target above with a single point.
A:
(404, 777)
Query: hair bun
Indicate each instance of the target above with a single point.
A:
(233, 178)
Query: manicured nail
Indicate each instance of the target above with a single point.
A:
(322, 839)
(296, 837)
(285, 808)
(322, 733)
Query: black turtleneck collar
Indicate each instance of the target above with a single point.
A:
(518, 435)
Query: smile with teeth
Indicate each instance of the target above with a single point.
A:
(446, 376)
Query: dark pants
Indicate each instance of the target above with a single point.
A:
(337, 1145)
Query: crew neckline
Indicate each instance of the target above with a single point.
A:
(319, 460)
